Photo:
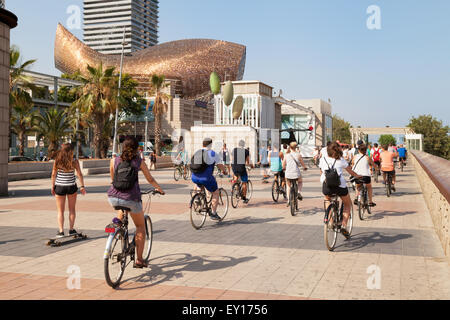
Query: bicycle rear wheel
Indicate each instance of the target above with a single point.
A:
(275, 190)
(222, 207)
(198, 211)
(187, 174)
(148, 238)
(293, 200)
(330, 228)
(235, 195)
(115, 260)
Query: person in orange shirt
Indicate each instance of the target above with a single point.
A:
(387, 164)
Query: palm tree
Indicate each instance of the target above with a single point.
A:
(22, 116)
(97, 100)
(16, 76)
(159, 106)
(53, 125)
(17, 69)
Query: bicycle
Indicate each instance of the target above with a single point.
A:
(237, 194)
(119, 247)
(277, 189)
(363, 200)
(375, 174)
(333, 220)
(293, 196)
(200, 206)
(388, 183)
(181, 171)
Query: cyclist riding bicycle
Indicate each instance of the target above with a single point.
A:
(376, 152)
(387, 164)
(202, 167)
(401, 155)
(291, 164)
(241, 158)
(276, 165)
(130, 198)
(361, 165)
(334, 160)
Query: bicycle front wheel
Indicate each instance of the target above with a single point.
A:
(275, 191)
(222, 207)
(115, 260)
(330, 228)
(198, 211)
(361, 209)
(350, 221)
(177, 174)
(235, 195)
(249, 190)
(148, 238)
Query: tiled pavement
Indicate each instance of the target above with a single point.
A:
(259, 252)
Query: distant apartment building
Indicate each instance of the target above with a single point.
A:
(105, 21)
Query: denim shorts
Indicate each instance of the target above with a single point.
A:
(135, 206)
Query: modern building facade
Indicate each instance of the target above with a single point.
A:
(106, 20)
(260, 109)
(320, 119)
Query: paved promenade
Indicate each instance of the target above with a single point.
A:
(259, 252)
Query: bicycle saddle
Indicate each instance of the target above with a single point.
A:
(122, 208)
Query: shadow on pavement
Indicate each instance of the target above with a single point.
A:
(246, 220)
(9, 241)
(371, 239)
(96, 189)
(380, 215)
(167, 267)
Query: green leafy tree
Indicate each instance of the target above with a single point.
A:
(436, 140)
(159, 106)
(386, 139)
(341, 130)
(22, 116)
(53, 125)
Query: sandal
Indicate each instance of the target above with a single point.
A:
(345, 233)
(372, 204)
(140, 265)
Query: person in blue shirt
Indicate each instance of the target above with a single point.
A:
(207, 179)
(401, 155)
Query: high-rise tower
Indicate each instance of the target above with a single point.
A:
(105, 20)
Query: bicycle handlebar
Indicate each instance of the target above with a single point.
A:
(152, 192)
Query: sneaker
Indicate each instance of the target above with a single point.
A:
(60, 234)
(214, 216)
(71, 232)
(372, 204)
(355, 202)
(245, 200)
(393, 189)
(299, 197)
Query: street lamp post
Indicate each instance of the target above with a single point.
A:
(114, 153)
(76, 131)
(146, 124)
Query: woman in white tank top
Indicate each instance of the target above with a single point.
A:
(361, 164)
(291, 162)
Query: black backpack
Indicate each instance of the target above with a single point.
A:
(198, 163)
(332, 178)
(125, 176)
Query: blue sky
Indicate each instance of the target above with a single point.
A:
(309, 48)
